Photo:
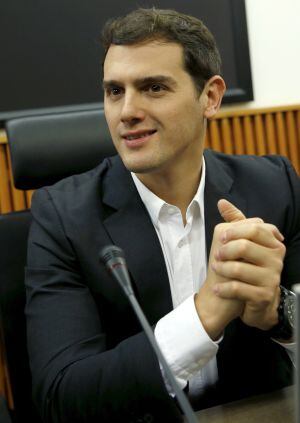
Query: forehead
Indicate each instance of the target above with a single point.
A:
(142, 60)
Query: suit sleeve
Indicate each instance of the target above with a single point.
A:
(75, 377)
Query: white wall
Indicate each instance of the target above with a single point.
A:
(274, 41)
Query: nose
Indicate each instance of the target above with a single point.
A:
(132, 108)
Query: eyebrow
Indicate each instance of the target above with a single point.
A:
(142, 81)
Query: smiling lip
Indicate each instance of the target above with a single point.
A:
(137, 138)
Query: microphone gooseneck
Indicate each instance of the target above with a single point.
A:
(114, 259)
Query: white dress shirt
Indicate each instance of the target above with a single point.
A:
(186, 346)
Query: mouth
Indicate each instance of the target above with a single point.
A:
(138, 134)
(136, 138)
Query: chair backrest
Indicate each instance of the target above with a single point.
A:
(43, 149)
(47, 148)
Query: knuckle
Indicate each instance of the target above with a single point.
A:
(262, 303)
(273, 283)
(254, 230)
(235, 287)
(282, 249)
(219, 231)
(275, 261)
(236, 270)
(219, 228)
(269, 296)
(243, 247)
(278, 264)
(266, 299)
(272, 227)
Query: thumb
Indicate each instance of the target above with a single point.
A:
(229, 212)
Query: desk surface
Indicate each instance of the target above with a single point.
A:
(275, 407)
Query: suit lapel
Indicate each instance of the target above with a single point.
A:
(130, 227)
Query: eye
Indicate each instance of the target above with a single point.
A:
(156, 88)
(113, 91)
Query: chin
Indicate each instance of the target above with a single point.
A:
(139, 167)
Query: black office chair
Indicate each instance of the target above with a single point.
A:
(43, 149)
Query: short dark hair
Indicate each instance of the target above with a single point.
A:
(201, 56)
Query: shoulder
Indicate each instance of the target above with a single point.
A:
(268, 185)
(75, 196)
(267, 163)
(73, 187)
(259, 171)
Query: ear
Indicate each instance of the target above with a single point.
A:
(214, 90)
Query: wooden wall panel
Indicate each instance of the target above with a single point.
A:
(5, 191)
(259, 130)
(228, 146)
(281, 134)
(271, 135)
(238, 136)
(215, 137)
(249, 135)
(18, 196)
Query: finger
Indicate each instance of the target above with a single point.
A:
(248, 220)
(260, 233)
(261, 304)
(229, 212)
(247, 273)
(250, 252)
(259, 297)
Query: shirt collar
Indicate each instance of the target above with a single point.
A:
(154, 204)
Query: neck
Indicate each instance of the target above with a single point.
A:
(177, 187)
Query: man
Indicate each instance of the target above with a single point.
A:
(161, 201)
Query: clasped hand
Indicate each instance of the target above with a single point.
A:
(243, 277)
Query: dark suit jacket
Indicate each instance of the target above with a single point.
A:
(89, 359)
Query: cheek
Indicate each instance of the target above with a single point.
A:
(185, 119)
(187, 107)
(111, 121)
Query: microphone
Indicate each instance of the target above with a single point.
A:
(114, 260)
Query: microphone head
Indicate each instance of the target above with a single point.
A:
(110, 252)
(114, 260)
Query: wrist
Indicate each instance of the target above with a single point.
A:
(210, 321)
(283, 330)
